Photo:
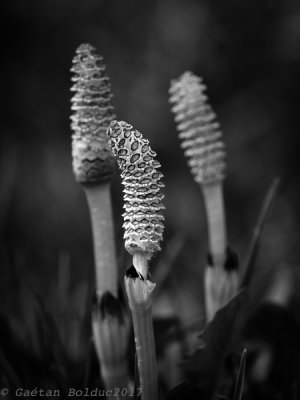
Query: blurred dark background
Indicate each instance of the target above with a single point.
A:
(248, 53)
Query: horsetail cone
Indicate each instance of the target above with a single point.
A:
(143, 219)
(198, 128)
(93, 111)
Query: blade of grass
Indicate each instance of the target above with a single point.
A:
(203, 367)
(166, 262)
(248, 265)
(165, 270)
(238, 392)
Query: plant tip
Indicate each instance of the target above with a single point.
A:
(198, 128)
(92, 113)
(143, 219)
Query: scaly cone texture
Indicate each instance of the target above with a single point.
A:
(93, 111)
(199, 130)
(143, 220)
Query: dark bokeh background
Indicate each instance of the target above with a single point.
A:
(248, 53)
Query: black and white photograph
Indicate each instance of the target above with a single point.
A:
(150, 200)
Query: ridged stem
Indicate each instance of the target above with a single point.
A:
(214, 204)
(139, 291)
(99, 202)
(145, 349)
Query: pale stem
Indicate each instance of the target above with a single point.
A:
(141, 264)
(110, 333)
(214, 204)
(210, 292)
(139, 292)
(220, 287)
(99, 202)
(145, 349)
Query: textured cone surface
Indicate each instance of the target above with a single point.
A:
(143, 220)
(92, 113)
(198, 129)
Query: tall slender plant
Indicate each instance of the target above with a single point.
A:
(93, 166)
(93, 163)
(143, 224)
(203, 146)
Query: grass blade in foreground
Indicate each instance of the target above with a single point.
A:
(249, 260)
(240, 378)
(204, 366)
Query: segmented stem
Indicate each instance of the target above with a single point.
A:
(139, 293)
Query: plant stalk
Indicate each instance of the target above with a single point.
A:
(220, 287)
(216, 223)
(139, 292)
(99, 202)
(110, 332)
